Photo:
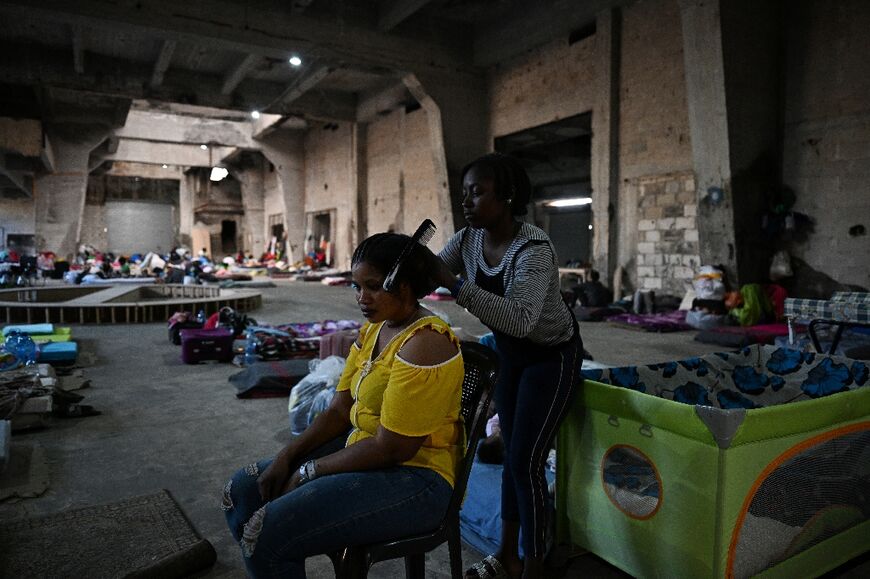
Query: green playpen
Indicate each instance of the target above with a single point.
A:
(730, 465)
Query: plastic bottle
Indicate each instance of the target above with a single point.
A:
(250, 348)
(200, 317)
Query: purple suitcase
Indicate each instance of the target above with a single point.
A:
(201, 345)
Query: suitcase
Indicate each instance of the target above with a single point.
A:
(175, 330)
(203, 345)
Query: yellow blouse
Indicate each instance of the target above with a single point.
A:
(407, 399)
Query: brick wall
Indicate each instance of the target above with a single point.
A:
(826, 151)
(542, 86)
(653, 107)
(667, 250)
(328, 183)
(401, 182)
(17, 216)
(655, 152)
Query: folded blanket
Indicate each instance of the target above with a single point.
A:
(674, 321)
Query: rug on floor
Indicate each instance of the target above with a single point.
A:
(145, 536)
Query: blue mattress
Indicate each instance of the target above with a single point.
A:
(480, 518)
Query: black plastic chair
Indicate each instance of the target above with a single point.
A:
(481, 369)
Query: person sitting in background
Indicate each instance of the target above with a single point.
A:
(593, 293)
(400, 396)
(124, 266)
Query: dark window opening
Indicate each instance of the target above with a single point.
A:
(228, 237)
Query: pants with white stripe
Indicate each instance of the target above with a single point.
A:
(532, 396)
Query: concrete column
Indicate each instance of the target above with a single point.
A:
(732, 60)
(708, 122)
(606, 247)
(359, 176)
(285, 150)
(60, 195)
(186, 191)
(254, 220)
(456, 106)
(752, 52)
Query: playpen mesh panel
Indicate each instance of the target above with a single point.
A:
(631, 481)
(815, 494)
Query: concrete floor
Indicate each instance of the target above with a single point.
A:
(178, 427)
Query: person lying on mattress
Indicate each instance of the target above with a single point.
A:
(510, 281)
(400, 396)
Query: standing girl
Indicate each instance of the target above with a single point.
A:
(509, 279)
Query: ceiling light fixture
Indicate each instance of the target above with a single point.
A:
(165, 166)
(203, 147)
(571, 202)
(295, 60)
(218, 174)
(255, 114)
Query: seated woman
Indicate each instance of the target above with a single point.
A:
(400, 397)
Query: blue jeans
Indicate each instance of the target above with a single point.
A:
(329, 513)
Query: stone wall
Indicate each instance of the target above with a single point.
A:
(18, 216)
(544, 85)
(667, 250)
(826, 152)
(654, 146)
(328, 184)
(402, 186)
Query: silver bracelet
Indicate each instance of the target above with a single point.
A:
(307, 472)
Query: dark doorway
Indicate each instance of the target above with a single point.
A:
(558, 158)
(228, 237)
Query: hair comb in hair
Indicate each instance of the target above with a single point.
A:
(422, 236)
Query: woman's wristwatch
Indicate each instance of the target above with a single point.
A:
(307, 472)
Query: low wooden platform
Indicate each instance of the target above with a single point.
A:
(118, 304)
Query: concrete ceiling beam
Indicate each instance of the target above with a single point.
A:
(394, 12)
(266, 124)
(18, 180)
(46, 155)
(238, 73)
(303, 84)
(526, 29)
(137, 151)
(161, 65)
(170, 128)
(115, 77)
(299, 6)
(269, 31)
(78, 42)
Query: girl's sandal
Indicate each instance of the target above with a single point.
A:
(488, 568)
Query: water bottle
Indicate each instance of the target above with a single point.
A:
(250, 348)
(200, 317)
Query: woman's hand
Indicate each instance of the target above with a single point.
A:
(443, 276)
(274, 480)
(292, 483)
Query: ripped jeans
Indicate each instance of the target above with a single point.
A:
(328, 514)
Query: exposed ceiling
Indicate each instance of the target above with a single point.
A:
(222, 54)
(555, 154)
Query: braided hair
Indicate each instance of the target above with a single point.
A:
(381, 251)
(510, 179)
